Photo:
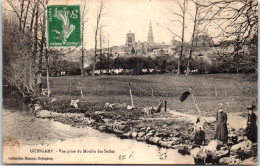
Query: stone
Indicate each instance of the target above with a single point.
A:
(43, 114)
(148, 110)
(149, 134)
(202, 154)
(224, 148)
(102, 128)
(37, 107)
(119, 132)
(134, 134)
(152, 131)
(220, 154)
(108, 105)
(140, 134)
(140, 138)
(129, 107)
(154, 140)
(164, 126)
(212, 146)
(229, 161)
(182, 149)
(159, 134)
(148, 129)
(53, 100)
(250, 161)
(240, 138)
(194, 152)
(126, 135)
(74, 103)
(142, 129)
(236, 147)
(166, 144)
(175, 140)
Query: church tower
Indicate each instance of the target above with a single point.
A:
(150, 39)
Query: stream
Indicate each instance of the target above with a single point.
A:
(27, 139)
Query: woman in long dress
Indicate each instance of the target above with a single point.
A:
(221, 126)
(251, 129)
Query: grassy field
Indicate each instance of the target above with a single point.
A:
(236, 92)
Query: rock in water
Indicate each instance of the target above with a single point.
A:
(236, 147)
(229, 161)
(134, 134)
(140, 134)
(220, 154)
(102, 128)
(148, 129)
(250, 161)
(182, 149)
(149, 134)
(166, 144)
(154, 140)
(212, 146)
(126, 135)
(194, 152)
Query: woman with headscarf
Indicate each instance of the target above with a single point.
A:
(251, 129)
(221, 132)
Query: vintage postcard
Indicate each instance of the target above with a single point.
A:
(130, 82)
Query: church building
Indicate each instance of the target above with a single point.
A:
(134, 47)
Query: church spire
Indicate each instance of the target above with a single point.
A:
(150, 39)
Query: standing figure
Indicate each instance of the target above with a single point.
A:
(251, 129)
(221, 125)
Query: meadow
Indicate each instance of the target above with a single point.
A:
(235, 91)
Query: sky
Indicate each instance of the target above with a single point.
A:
(122, 16)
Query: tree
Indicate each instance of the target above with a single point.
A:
(83, 15)
(197, 21)
(26, 14)
(238, 22)
(27, 48)
(180, 19)
(100, 13)
(17, 58)
(108, 55)
(100, 48)
(22, 54)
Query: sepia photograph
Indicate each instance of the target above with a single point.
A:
(130, 82)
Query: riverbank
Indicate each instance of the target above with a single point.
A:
(170, 129)
(161, 129)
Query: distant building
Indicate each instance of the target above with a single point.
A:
(150, 39)
(139, 47)
(130, 40)
(149, 47)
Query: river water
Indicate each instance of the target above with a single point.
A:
(27, 139)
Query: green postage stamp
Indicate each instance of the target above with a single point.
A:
(63, 25)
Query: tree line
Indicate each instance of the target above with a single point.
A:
(159, 64)
(236, 24)
(25, 51)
